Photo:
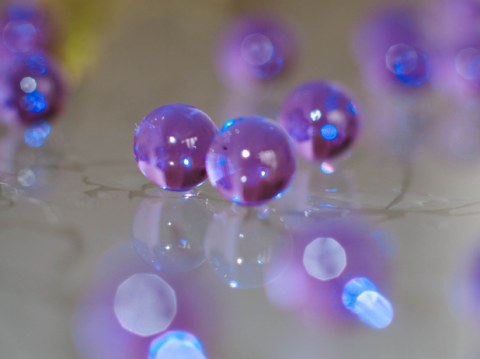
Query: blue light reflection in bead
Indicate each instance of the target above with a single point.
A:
(176, 345)
(361, 297)
(38, 65)
(227, 125)
(421, 73)
(36, 135)
(329, 132)
(327, 168)
(35, 102)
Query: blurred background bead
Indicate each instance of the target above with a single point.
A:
(31, 89)
(246, 251)
(328, 254)
(321, 118)
(251, 160)
(451, 28)
(168, 233)
(392, 27)
(171, 144)
(255, 49)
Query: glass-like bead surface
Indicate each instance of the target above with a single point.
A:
(246, 251)
(171, 144)
(256, 48)
(31, 89)
(251, 160)
(321, 119)
(168, 233)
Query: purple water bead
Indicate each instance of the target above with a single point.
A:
(256, 48)
(171, 144)
(321, 119)
(251, 160)
(31, 89)
(391, 30)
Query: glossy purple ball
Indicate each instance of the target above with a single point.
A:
(171, 144)
(31, 89)
(321, 119)
(255, 49)
(251, 160)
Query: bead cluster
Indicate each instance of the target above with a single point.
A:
(251, 160)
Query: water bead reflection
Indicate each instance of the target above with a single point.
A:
(145, 304)
(26, 177)
(176, 345)
(168, 233)
(401, 59)
(362, 298)
(324, 258)
(257, 49)
(246, 251)
(36, 135)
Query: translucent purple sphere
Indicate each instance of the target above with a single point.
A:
(171, 144)
(251, 160)
(31, 89)
(254, 49)
(392, 30)
(321, 119)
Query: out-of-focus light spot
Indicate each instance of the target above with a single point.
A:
(35, 102)
(19, 36)
(26, 10)
(257, 49)
(28, 84)
(316, 115)
(172, 139)
(362, 298)
(186, 162)
(245, 153)
(233, 284)
(145, 304)
(374, 309)
(243, 179)
(401, 59)
(329, 132)
(26, 177)
(239, 261)
(176, 345)
(324, 258)
(420, 74)
(236, 199)
(353, 289)
(36, 135)
(327, 168)
(463, 60)
(263, 211)
(171, 163)
(38, 65)
(473, 69)
(228, 124)
(271, 68)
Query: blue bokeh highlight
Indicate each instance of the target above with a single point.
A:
(361, 297)
(36, 135)
(176, 345)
